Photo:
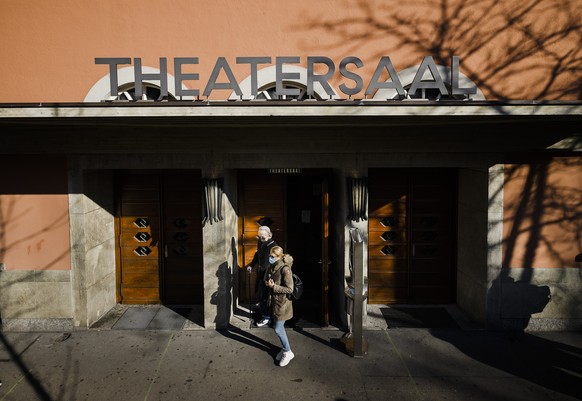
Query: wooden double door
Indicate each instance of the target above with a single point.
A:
(411, 236)
(295, 207)
(159, 227)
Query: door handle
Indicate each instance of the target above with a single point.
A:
(165, 251)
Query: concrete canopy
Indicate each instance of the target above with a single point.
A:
(366, 126)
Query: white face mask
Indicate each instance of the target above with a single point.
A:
(272, 259)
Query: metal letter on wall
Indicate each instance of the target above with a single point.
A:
(212, 201)
(358, 199)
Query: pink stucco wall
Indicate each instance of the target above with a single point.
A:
(543, 214)
(512, 50)
(34, 214)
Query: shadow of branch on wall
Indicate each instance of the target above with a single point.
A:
(11, 217)
(542, 222)
(546, 214)
(498, 42)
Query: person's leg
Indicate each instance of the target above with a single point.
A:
(263, 294)
(285, 356)
(279, 327)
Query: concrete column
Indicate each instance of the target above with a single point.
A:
(91, 210)
(220, 260)
(341, 270)
(472, 243)
(494, 245)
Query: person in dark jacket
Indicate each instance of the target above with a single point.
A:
(260, 263)
(280, 282)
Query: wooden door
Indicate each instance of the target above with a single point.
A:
(139, 238)
(325, 261)
(262, 196)
(160, 237)
(307, 241)
(388, 280)
(182, 238)
(411, 236)
(432, 237)
(298, 206)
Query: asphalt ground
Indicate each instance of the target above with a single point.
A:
(239, 364)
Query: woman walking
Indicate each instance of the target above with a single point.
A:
(279, 279)
(260, 263)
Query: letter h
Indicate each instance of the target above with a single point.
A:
(140, 77)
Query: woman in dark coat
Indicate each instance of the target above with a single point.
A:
(260, 262)
(279, 280)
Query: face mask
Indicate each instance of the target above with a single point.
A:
(263, 239)
(272, 259)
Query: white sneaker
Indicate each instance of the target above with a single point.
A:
(279, 355)
(263, 322)
(287, 356)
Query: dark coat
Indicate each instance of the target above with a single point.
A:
(282, 275)
(261, 259)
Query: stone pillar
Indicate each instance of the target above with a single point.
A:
(494, 245)
(473, 243)
(91, 210)
(345, 226)
(219, 260)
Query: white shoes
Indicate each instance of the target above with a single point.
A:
(286, 358)
(263, 322)
(279, 355)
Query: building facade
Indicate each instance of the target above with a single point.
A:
(142, 146)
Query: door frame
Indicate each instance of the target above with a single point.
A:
(325, 177)
(162, 247)
(450, 182)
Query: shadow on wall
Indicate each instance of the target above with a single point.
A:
(222, 298)
(519, 300)
(34, 240)
(542, 224)
(498, 42)
(235, 274)
(543, 205)
(225, 297)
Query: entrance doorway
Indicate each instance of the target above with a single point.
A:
(411, 236)
(159, 231)
(296, 208)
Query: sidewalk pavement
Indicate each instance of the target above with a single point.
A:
(233, 364)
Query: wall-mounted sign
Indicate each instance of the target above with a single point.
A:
(352, 82)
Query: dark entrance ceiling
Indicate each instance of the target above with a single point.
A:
(306, 127)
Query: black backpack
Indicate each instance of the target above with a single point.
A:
(297, 288)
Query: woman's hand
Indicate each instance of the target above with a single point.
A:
(270, 283)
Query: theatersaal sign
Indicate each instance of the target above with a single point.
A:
(352, 82)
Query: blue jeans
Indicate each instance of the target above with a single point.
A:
(282, 334)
